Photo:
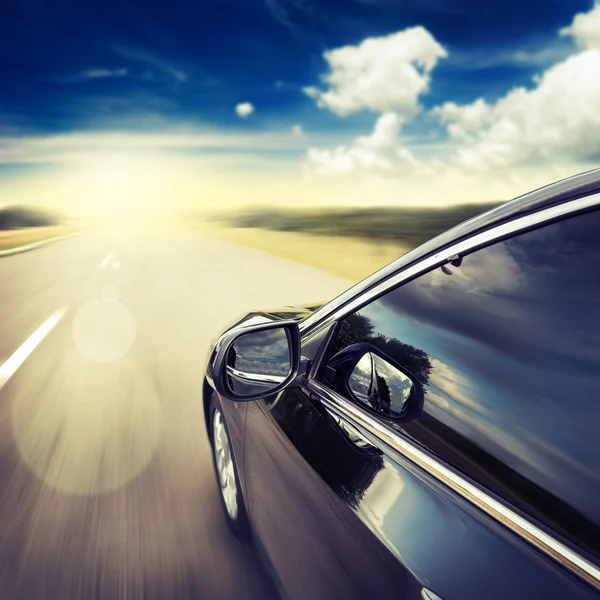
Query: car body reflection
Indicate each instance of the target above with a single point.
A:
(510, 308)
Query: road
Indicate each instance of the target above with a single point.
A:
(107, 488)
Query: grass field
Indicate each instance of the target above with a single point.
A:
(13, 238)
(352, 258)
(399, 225)
(351, 242)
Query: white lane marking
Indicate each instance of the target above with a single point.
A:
(7, 370)
(104, 262)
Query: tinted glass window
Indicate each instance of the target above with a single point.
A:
(507, 347)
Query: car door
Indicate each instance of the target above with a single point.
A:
(305, 478)
(490, 491)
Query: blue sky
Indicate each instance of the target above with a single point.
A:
(75, 67)
(181, 67)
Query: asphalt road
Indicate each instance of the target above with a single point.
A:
(106, 481)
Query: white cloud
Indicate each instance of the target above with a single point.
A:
(464, 120)
(539, 55)
(72, 148)
(537, 133)
(455, 387)
(103, 73)
(297, 130)
(559, 119)
(312, 92)
(380, 152)
(157, 64)
(380, 74)
(244, 109)
(585, 28)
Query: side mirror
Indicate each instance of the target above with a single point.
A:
(255, 361)
(377, 382)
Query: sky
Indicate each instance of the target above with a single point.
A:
(186, 106)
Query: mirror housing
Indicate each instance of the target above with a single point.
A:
(249, 362)
(377, 382)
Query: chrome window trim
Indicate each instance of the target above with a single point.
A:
(373, 428)
(352, 300)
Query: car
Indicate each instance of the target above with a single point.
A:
(434, 431)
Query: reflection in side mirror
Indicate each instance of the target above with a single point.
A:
(366, 374)
(259, 361)
(251, 362)
(379, 385)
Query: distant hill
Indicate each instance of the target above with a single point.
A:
(410, 226)
(16, 217)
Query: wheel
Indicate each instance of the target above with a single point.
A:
(227, 477)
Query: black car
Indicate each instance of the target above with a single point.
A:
(434, 432)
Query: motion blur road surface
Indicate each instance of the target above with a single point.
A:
(107, 488)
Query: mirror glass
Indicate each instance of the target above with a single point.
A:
(379, 385)
(259, 361)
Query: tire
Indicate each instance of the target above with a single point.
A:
(228, 482)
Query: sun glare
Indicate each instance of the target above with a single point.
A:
(122, 185)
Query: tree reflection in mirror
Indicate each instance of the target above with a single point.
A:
(259, 361)
(379, 385)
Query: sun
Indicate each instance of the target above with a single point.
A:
(121, 184)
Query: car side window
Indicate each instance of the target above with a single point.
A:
(506, 344)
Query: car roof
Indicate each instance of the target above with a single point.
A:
(561, 192)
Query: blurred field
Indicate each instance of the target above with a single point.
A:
(13, 238)
(352, 243)
(405, 226)
(349, 257)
